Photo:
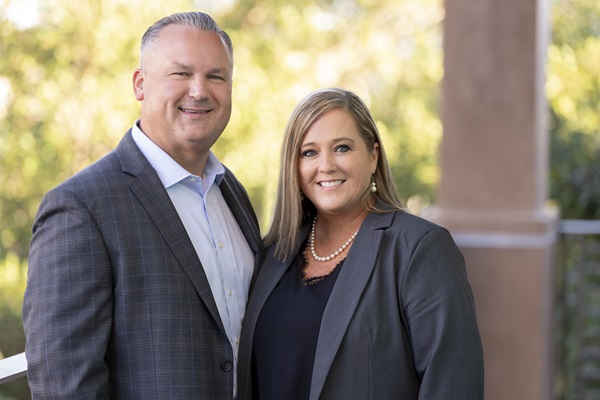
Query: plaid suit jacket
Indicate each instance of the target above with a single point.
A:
(117, 303)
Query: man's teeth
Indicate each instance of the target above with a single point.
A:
(331, 183)
(193, 111)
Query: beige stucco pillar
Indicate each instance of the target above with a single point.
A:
(494, 162)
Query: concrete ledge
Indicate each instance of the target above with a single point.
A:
(536, 222)
(504, 240)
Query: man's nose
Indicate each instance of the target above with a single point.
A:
(198, 89)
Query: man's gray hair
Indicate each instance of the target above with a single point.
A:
(193, 19)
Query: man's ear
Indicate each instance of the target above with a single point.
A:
(138, 84)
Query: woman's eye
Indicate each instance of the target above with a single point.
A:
(342, 148)
(308, 153)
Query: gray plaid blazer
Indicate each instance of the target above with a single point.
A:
(117, 303)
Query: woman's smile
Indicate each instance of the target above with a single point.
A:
(331, 184)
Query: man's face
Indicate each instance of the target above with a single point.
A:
(184, 87)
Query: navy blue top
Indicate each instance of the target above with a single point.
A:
(285, 338)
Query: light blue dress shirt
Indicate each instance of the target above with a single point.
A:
(218, 240)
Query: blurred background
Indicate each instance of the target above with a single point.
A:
(66, 99)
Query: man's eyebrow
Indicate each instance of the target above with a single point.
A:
(215, 70)
(182, 66)
(218, 70)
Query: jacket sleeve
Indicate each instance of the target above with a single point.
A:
(440, 317)
(67, 308)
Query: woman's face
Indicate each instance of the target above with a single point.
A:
(335, 165)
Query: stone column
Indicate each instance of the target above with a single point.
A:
(493, 188)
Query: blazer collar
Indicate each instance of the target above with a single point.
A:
(134, 163)
(270, 275)
(346, 293)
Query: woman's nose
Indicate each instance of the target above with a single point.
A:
(327, 164)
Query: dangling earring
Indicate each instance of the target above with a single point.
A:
(373, 184)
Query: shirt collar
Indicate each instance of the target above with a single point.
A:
(168, 170)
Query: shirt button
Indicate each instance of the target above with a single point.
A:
(221, 244)
(229, 292)
(237, 340)
(226, 366)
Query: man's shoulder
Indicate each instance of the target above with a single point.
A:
(95, 174)
(102, 174)
(232, 181)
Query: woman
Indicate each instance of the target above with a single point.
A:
(356, 298)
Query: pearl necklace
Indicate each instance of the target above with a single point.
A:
(332, 256)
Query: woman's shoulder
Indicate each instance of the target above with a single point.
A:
(404, 220)
(410, 227)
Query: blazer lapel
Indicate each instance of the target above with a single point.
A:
(149, 190)
(271, 273)
(345, 295)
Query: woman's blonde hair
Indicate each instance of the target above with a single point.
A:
(291, 211)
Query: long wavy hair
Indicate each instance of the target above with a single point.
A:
(291, 212)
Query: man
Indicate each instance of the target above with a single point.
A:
(140, 265)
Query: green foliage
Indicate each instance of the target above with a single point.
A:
(66, 96)
(65, 100)
(12, 286)
(575, 176)
(285, 50)
(573, 89)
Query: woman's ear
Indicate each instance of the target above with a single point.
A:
(375, 156)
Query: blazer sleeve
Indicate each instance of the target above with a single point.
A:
(67, 307)
(440, 316)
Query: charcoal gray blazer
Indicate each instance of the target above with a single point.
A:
(399, 324)
(117, 302)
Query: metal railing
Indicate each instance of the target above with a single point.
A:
(12, 368)
(577, 306)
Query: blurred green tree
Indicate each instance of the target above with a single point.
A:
(573, 89)
(389, 52)
(66, 97)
